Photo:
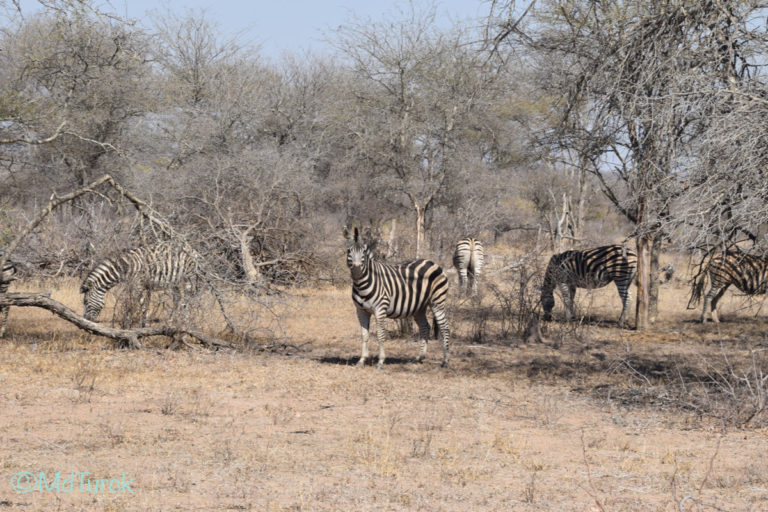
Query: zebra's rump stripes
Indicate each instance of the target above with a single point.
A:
(8, 273)
(748, 273)
(468, 260)
(397, 291)
(164, 265)
(591, 268)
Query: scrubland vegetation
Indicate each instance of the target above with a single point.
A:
(546, 126)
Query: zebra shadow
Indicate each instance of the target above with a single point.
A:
(372, 361)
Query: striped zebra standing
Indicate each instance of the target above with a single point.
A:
(165, 265)
(468, 260)
(592, 268)
(748, 273)
(8, 275)
(396, 291)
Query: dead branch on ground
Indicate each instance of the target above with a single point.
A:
(130, 337)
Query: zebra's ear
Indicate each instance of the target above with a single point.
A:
(346, 232)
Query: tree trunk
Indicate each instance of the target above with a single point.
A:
(252, 275)
(653, 312)
(578, 227)
(420, 214)
(643, 281)
(391, 241)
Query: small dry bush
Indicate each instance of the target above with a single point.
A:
(730, 386)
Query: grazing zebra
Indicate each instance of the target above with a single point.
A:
(396, 291)
(748, 273)
(164, 265)
(592, 268)
(9, 271)
(468, 260)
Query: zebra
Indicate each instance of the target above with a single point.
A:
(396, 291)
(8, 275)
(165, 265)
(591, 268)
(748, 273)
(468, 260)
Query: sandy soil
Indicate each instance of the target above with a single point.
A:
(577, 424)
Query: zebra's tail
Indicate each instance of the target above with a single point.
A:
(435, 328)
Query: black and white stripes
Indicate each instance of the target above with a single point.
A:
(8, 275)
(748, 273)
(468, 260)
(592, 268)
(165, 265)
(396, 291)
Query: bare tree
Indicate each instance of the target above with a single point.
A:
(418, 100)
(631, 73)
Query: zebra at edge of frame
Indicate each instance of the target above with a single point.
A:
(591, 268)
(468, 260)
(160, 266)
(396, 291)
(8, 275)
(747, 272)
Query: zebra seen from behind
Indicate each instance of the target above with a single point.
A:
(164, 265)
(468, 260)
(396, 291)
(591, 268)
(748, 273)
(8, 275)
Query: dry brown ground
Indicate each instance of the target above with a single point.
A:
(575, 425)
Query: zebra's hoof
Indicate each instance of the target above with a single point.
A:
(444, 364)
(360, 363)
(379, 366)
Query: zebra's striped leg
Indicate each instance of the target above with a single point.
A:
(144, 306)
(176, 294)
(3, 320)
(715, 301)
(462, 279)
(547, 304)
(421, 319)
(472, 285)
(710, 303)
(568, 293)
(626, 297)
(438, 311)
(380, 335)
(364, 318)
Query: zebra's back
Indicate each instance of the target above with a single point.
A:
(404, 289)
(165, 265)
(748, 273)
(594, 268)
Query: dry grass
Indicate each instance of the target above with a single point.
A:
(580, 424)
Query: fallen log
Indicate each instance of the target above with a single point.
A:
(130, 337)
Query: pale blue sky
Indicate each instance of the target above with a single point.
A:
(283, 25)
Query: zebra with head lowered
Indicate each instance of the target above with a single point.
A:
(591, 268)
(468, 260)
(396, 291)
(164, 265)
(8, 275)
(748, 273)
